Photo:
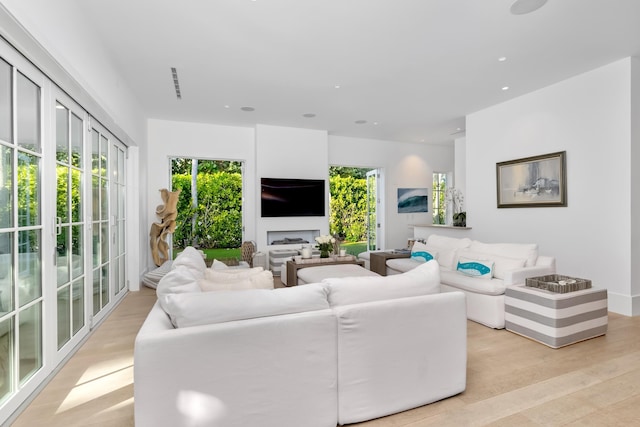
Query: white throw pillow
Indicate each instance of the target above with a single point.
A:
(421, 252)
(190, 258)
(218, 265)
(482, 269)
(231, 274)
(225, 306)
(448, 242)
(422, 280)
(176, 278)
(260, 280)
(447, 257)
(528, 251)
(501, 264)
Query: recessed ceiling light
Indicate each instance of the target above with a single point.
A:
(502, 58)
(308, 115)
(227, 106)
(247, 108)
(505, 88)
(375, 123)
(522, 7)
(360, 122)
(337, 86)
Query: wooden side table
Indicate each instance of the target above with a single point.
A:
(378, 260)
(293, 266)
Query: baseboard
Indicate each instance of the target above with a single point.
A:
(627, 305)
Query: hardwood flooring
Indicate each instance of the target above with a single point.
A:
(512, 381)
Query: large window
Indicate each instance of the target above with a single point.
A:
(439, 193)
(209, 207)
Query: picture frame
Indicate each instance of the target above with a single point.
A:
(538, 181)
(413, 200)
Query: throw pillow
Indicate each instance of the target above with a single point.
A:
(231, 274)
(501, 265)
(190, 258)
(420, 252)
(176, 278)
(218, 265)
(475, 267)
(217, 307)
(261, 280)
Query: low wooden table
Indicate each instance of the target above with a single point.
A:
(293, 266)
(378, 260)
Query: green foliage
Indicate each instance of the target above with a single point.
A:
(183, 166)
(218, 216)
(344, 171)
(439, 193)
(348, 207)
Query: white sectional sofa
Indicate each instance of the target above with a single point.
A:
(510, 263)
(342, 351)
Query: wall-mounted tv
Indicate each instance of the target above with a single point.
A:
(281, 197)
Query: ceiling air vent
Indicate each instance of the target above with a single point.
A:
(176, 83)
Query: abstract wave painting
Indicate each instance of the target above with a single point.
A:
(411, 200)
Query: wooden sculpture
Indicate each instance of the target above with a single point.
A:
(159, 230)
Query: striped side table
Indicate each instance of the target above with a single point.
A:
(556, 319)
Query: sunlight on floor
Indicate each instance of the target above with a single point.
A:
(98, 385)
(104, 368)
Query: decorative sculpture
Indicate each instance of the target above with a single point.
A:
(159, 230)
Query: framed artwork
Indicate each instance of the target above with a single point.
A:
(539, 181)
(412, 200)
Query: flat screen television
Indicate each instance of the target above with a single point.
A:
(281, 197)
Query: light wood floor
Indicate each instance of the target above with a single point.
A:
(512, 381)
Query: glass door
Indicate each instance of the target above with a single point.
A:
(118, 219)
(70, 223)
(372, 209)
(21, 296)
(100, 217)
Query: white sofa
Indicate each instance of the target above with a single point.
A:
(342, 351)
(512, 264)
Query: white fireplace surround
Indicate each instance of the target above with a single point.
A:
(279, 235)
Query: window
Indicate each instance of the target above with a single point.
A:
(439, 203)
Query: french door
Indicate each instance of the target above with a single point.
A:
(62, 226)
(108, 222)
(70, 249)
(21, 225)
(373, 202)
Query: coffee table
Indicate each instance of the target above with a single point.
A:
(294, 266)
(378, 260)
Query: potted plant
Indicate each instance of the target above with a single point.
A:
(325, 244)
(455, 197)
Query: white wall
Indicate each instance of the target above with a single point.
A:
(280, 152)
(404, 165)
(635, 184)
(589, 116)
(61, 28)
(283, 152)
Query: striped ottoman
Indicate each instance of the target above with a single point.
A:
(556, 319)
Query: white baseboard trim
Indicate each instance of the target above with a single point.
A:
(627, 305)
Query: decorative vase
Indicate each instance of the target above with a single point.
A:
(324, 254)
(460, 219)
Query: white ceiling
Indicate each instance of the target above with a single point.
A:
(411, 68)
